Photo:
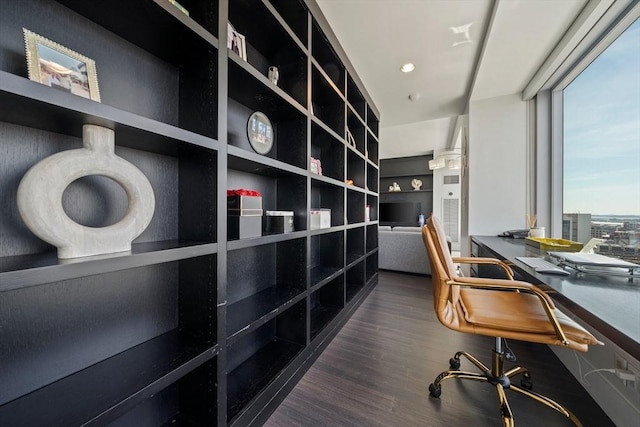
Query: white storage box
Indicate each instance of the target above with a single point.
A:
(320, 218)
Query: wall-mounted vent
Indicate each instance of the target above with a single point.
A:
(452, 179)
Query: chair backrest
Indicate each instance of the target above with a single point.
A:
(446, 296)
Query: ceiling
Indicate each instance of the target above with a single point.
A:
(462, 50)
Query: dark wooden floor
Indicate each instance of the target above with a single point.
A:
(377, 369)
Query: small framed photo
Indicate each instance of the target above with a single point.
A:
(236, 42)
(60, 68)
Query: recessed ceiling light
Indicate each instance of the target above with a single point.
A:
(408, 67)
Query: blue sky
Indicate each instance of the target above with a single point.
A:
(602, 132)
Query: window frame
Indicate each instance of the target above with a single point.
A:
(550, 142)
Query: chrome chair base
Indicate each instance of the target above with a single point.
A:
(501, 380)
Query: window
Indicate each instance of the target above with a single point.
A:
(601, 150)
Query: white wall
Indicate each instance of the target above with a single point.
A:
(497, 159)
(446, 191)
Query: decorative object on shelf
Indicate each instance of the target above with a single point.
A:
(274, 75)
(416, 184)
(348, 181)
(244, 202)
(260, 132)
(421, 220)
(244, 214)
(394, 187)
(40, 197)
(367, 213)
(320, 218)
(315, 166)
(61, 68)
(350, 139)
(236, 42)
(276, 222)
(179, 7)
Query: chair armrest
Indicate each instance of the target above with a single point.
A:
(479, 260)
(516, 286)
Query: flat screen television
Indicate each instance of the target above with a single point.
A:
(399, 213)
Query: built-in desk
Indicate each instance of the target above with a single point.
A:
(610, 304)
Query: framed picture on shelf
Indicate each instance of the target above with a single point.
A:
(60, 68)
(236, 42)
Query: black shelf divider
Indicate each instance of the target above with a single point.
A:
(40, 107)
(371, 269)
(355, 244)
(31, 270)
(327, 104)
(327, 180)
(269, 44)
(254, 360)
(317, 121)
(326, 302)
(357, 129)
(355, 207)
(325, 146)
(324, 195)
(326, 58)
(354, 280)
(356, 169)
(372, 237)
(245, 161)
(372, 153)
(264, 240)
(327, 256)
(124, 380)
(406, 192)
(294, 14)
(372, 178)
(372, 204)
(252, 312)
(373, 122)
(156, 25)
(321, 275)
(355, 98)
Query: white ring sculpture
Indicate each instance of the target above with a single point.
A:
(40, 197)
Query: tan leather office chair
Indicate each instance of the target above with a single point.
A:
(497, 308)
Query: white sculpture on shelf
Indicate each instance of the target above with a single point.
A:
(395, 187)
(40, 197)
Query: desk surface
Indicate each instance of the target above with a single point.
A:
(610, 304)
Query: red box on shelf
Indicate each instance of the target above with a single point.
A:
(244, 203)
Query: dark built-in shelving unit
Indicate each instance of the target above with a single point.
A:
(189, 327)
(403, 170)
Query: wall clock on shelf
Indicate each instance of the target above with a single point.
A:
(260, 132)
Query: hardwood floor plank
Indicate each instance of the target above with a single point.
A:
(376, 372)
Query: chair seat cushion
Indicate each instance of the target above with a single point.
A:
(517, 312)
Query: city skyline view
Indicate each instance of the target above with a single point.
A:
(602, 132)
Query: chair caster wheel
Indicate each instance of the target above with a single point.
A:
(454, 363)
(434, 390)
(526, 383)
